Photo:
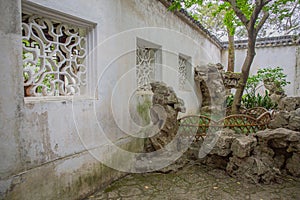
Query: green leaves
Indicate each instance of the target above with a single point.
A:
(190, 3)
(252, 84)
(254, 99)
(251, 101)
(175, 5)
(274, 75)
(230, 22)
(219, 16)
(245, 7)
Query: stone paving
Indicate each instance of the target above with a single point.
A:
(195, 182)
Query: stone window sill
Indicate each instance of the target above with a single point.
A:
(57, 99)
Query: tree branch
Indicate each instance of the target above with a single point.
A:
(291, 29)
(289, 23)
(255, 13)
(259, 4)
(294, 7)
(238, 12)
(262, 21)
(266, 2)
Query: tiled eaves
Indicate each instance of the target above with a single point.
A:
(184, 15)
(289, 40)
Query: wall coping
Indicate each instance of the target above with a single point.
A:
(288, 40)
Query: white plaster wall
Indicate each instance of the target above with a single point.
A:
(297, 74)
(11, 100)
(284, 57)
(39, 135)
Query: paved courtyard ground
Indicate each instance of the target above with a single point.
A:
(196, 182)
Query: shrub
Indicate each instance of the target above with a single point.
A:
(251, 98)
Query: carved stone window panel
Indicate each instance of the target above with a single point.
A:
(184, 72)
(148, 57)
(53, 57)
(145, 67)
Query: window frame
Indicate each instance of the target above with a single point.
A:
(188, 69)
(88, 91)
(157, 71)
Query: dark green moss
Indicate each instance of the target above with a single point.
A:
(143, 110)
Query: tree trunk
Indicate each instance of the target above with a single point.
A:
(245, 73)
(230, 65)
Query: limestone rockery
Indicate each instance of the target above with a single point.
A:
(264, 156)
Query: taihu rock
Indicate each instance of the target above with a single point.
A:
(165, 103)
(242, 146)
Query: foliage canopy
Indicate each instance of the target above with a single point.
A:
(220, 18)
(252, 14)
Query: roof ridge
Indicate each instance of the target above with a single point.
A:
(285, 40)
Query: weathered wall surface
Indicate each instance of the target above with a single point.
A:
(11, 100)
(50, 147)
(280, 56)
(297, 76)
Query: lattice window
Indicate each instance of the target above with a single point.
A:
(183, 71)
(53, 57)
(145, 67)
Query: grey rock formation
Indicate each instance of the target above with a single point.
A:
(275, 98)
(165, 102)
(294, 120)
(242, 146)
(289, 103)
(210, 81)
(251, 169)
(281, 119)
(267, 136)
(223, 145)
(286, 119)
(258, 158)
(292, 165)
(264, 156)
(218, 156)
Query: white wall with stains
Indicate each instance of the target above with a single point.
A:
(279, 56)
(50, 147)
